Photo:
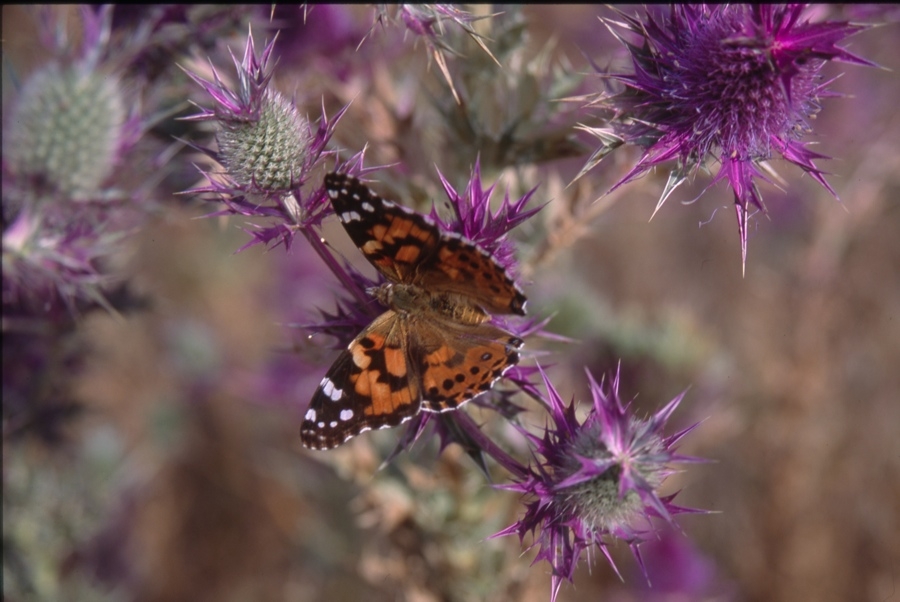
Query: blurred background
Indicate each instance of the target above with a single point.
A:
(173, 470)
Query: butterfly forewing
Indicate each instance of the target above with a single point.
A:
(460, 266)
(394, 239)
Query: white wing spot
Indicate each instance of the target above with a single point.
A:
(350, 216)
(330, 390)
(321, 425)
(333, 423)
(368, 206)
(355, 196)
(346, 414)
(310, 415)
(333, 194)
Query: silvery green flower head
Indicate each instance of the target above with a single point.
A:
(69, 127)
(71, 120)
(596, 479)
(734, 84)
(267, 148)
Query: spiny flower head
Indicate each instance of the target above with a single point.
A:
(70, 122)
(595, 479)
(49, 265)
(267, 148)
(736, 84)
(68, 129)
(472, 217)
(267, 152)
(427, 21)
(510, 115)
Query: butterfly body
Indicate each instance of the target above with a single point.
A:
(413, 300)
(434, 347)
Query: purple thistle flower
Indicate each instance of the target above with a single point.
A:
(50, 265)
(427, 22)
(596, 479)
(736, 84)
(472, 217)
(67, 212)
(68, 130)
(268, 151)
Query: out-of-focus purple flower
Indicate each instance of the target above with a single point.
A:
(427, 22)
(596, 479)
(472, 217)
(67, 131)
(67, 212)
(322, 37)
(172, 31)
(679, 570)
(735, 84)
(268, 150)
(52, 266)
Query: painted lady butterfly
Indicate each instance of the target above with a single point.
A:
(433, 349)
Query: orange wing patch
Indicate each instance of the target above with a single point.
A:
(466, 366)
(368, 387)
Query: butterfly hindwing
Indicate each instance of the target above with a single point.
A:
(369, 386)
(466, 362)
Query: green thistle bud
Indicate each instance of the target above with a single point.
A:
(268, 153)
(66, 129)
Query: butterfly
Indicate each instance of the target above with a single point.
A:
(434, 348)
